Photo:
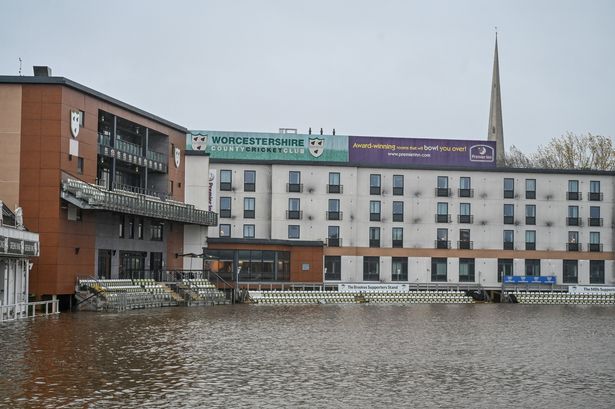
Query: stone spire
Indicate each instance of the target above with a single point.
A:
(496, 130)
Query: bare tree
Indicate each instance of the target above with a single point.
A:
(516, 159)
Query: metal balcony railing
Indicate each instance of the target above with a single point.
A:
(443, 192)
(594, 247)
(466, 192)
(335, 189)
(594, 221)
(465, 244)
(574, 195)
(334, 242)
(443, 244)
(465, 218)
(443, 218)
(595, 196)
(334, 215)
(573, 246)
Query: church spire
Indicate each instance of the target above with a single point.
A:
(496, 129)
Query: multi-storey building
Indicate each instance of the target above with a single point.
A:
(305, 208)
(100, 180)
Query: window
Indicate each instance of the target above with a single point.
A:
(509, 188)
(509, 239)
(594, 190)
(374, 236)
(596, 271)
(505, 268)
(294, 181)
(374, 210)
(594, 216)
(464, 239)
(466, 270)
(442, 239)
(249, 180)
(397, 235)
(80, 166)
(570, 271)
(573, 241)
(439, 269)
(530, 188)
(131, 228)
(573, 190)
(374, 184)
(249, 204)
(442, 215)
(465, 187)
(398, 211)
(293, 231)
(294, 208)
(530, 239)
(140, 229)
(532, 267)
(573, 216)
(509, 214)
(225, 230)
(371, 268)
(225, 207)
(530, 215)
(334, 183)
(226, 180)
(465, 213)
(156, 229)
(334, 210)
(121, 226)
(333, 236)
(248, 231)
(333, 267)
(398, 185)
(399, 269)
(594, 241)
(442, 189)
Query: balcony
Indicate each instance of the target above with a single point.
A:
(594, 221)
(443, 244)
(131, 153)
(443, 192)
(374, 242)
(294, 187)
(443, 218)
(375, 190)
(573, 246)
(374, 217)
(465, 218)
(397, 244)
(530, 220)
(335, 189)
(574, 196)
(465, 244)
(294, 214)
(398, 191)
(91, 197)
(573, 221)
(509, 245)
(398, 217)
(331, 215)
(595, 196)
(530, 246)
(594, 247)
(334, 242)
(465, 192)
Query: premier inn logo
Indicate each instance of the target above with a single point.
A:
(199, 142)
(316, 146)
(75, 117)
(481, 153)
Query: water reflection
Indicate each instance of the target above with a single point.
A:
(314, 356)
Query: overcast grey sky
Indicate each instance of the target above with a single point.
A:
(389, 68)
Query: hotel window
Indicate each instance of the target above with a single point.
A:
(573, 241)
(509, 239)
(293, 231)
(249, 204)
(374, 184)
(530, 188)
(532, 267)
(398, 211)
(294, 182)
(594, 242)
(596, 271)
(225, 230)
(333, 267)
(464, 240)
(530, 239)
(397, 235)
(131, 228)
(509, 214)
(465, 213)
(573, 216)
(509, 188)
(573, 190)
(374, 211)
(334, 210)
(294, 209)
(398, 185)
(465, 187)
(249, 180)
(140, 228)
(439, 269)
(334, 185)
(121, 226)
(442, 239)
(79, 165)
(371, 268)
(466, 270)
(156, 229)
(442, 215)
(374, 236)
(505, 268)
(442, 189)
(570, 271)
(530, 214)
(225, 207)
(594, 190)
(226, 180)
(248, 231)
(399, 269)
(333, 236)
(594, 216)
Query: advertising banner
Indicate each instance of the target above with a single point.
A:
(591, 289)
(529, 279)
(269, 146)
(212, 191)
(366, 288)
(409, 151)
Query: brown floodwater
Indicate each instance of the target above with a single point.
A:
(338, 356)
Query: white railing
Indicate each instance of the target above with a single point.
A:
(11, 312)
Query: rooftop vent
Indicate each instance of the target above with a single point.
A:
(42, 71)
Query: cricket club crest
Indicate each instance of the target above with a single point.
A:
(316, 146)
(75, 117)
(199, 142)
(178, 157)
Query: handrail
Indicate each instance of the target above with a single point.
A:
(11, 312)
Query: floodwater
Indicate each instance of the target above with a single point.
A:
(333, 356)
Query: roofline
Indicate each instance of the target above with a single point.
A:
(14, 79)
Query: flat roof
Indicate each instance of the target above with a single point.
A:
(15, 79)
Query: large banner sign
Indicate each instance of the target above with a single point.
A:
(370, 288)
(269, 146)
(591, 289)
(529, 279)
(409, 151)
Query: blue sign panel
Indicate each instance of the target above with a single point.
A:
(529, 279)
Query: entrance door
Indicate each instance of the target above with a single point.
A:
(104, 263)
(132, 264)
(155, 265)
